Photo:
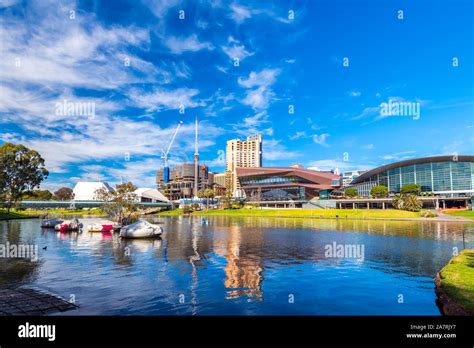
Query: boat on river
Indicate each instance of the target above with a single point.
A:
(100, 227)
(69, 225)
(50, 223)
(141, 229)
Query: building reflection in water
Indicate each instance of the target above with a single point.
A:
(243, 272)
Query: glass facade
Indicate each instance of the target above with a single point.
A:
(275, 187)
(271, 180)
(446, 178)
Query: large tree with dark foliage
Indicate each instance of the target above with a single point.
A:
(21, 171)
(64, 194)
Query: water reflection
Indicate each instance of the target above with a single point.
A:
(243, 270)
(240, 266)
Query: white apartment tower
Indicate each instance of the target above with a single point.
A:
(242, 154)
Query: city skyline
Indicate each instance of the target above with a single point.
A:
(98, 89)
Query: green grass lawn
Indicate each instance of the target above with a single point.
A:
(457, 278)
(13, 215)
(324, 213)
(463, 213)
(173, 212)
(19, 214)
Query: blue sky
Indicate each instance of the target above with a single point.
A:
(138, 63)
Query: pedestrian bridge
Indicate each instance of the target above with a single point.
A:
(83, 204)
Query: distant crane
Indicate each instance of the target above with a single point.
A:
(164, 156)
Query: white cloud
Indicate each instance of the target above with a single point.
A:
(398, 156)
(368, 147)
(160, 99)
(240, 13)
(298, 135)
(254, 124)
(8, 3)
(328, 164)
(259, 94)
(273, 150)
(160, 8)
(321, 139)
(266, 77)
(259, 98)
(235, 50)
(191, 43)
(59, 51)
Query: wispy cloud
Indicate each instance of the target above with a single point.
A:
(329, 164)
(159, 99)
(398, 156)
(234, 50)
(190, 43)
(259, 94)
(321, 139)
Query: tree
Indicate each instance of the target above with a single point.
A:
(408, 202)
(351, 192)
(120, 204)
(21, 170)
(412, 202)
(411, 188)
(64, 194)
(208, 194)
(37, 195)
(379, 191)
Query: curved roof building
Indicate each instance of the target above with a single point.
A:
(451, 176)
(284, 183)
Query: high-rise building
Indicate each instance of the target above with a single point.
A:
(242, 154)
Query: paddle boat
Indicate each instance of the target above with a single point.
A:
(100, 227)
(50, 223)
(69, 225)
(141, 229)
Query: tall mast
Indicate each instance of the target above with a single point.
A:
(196, 162)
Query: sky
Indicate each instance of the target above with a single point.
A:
(98, 87)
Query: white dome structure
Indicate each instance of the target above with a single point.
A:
(150, 195)
(86, 191)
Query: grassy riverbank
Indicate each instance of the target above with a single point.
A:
(28, 213)
(457, 279)
(13, 215)
(469, 214)
(310, 213)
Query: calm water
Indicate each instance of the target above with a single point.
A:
(240, 266)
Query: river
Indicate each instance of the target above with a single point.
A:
(241, 266)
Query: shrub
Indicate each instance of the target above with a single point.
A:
(187, 209)
(379, 191)
(414, 189)
(428, 214)
(351, 192)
